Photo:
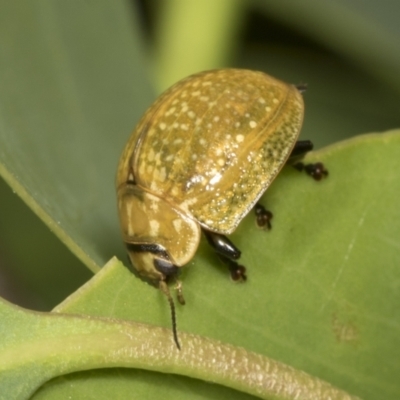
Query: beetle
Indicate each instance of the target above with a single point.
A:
(198, 161)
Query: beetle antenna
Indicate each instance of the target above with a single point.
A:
(164, 288)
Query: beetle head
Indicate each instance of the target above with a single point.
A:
(159, 236)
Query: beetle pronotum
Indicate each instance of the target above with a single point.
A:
(198, 161)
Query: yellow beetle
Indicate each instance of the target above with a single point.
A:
(199, 160)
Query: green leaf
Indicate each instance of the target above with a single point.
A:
(321, 296)
(323, 285)
(39, 346)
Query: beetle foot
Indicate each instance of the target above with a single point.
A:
(317, 170)
(237, 271)
(263, 217)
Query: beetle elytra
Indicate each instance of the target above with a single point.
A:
(198, 161)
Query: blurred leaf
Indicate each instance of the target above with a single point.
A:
(194, 36)
(28, 251)
(366, 32)
(72, 88)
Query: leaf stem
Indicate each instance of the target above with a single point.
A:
(66, 343)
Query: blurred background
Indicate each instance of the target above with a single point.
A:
(76, 76)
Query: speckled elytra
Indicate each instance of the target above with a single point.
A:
(198, 161)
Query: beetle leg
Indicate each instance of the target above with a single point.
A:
(263, 216)
(179, 294)
(301, 87)
(300, 149)
(227, 252)
(222, 245)
(316, 171)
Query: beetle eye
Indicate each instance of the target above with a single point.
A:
(166, 267)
